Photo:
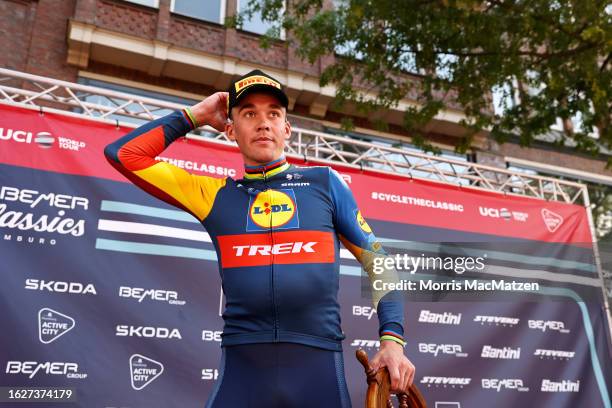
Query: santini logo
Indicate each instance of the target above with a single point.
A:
(439, 318)
(560, 386)
(506, 353)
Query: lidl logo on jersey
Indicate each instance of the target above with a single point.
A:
(273, 209)
(362, 223)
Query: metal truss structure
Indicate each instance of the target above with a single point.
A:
(18, 88)
(99, 104)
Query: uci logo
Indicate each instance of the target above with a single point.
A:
(273, 209)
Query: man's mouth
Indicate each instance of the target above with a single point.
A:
(263, 139)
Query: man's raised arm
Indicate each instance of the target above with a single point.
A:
(133, 155)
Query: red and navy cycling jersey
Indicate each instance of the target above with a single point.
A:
(277, 235)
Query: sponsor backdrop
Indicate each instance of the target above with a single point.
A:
(115, 294)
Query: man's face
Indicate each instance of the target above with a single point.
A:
(260, 128)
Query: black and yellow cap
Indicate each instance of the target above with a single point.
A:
(254, 81)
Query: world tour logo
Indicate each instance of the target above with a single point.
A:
(273, 209)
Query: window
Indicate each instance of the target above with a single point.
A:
(209, 10)
(149, 3)
(255, 24)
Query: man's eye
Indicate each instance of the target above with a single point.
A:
(250, 114)
(275, 114)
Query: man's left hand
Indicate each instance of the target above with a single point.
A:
(401, 370)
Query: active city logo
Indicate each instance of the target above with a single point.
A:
(442, 349)
(560, 386)
(497, 384)
(439, 318)
(143, 371)
(273, 209)
(554, 354)
(147, 332)
(366, 311)
(52, 325)
(34, 368)
(496, 320)
(140, 294)
(446, 381)
(73, 288)
(548, 325)
(551, 219)
(506, 353)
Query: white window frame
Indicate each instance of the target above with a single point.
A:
(221, 12)
(141, 3)
(282, 31)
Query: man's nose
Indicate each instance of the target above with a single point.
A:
(263, 125)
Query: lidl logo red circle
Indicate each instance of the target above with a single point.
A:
(272, 209)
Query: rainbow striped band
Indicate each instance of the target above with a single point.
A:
(191, 118)
(393, 338)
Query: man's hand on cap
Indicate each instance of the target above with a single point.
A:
(212, 111)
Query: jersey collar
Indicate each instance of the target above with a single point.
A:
(267, 170)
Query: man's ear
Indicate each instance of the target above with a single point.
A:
(229, 130)
(287, 130)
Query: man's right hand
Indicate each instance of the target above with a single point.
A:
(212, 111)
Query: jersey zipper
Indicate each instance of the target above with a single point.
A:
(275, 312)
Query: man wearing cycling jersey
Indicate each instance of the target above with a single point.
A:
(276, 233)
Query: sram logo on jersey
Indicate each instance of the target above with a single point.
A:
(280, 248)
(273, 209)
